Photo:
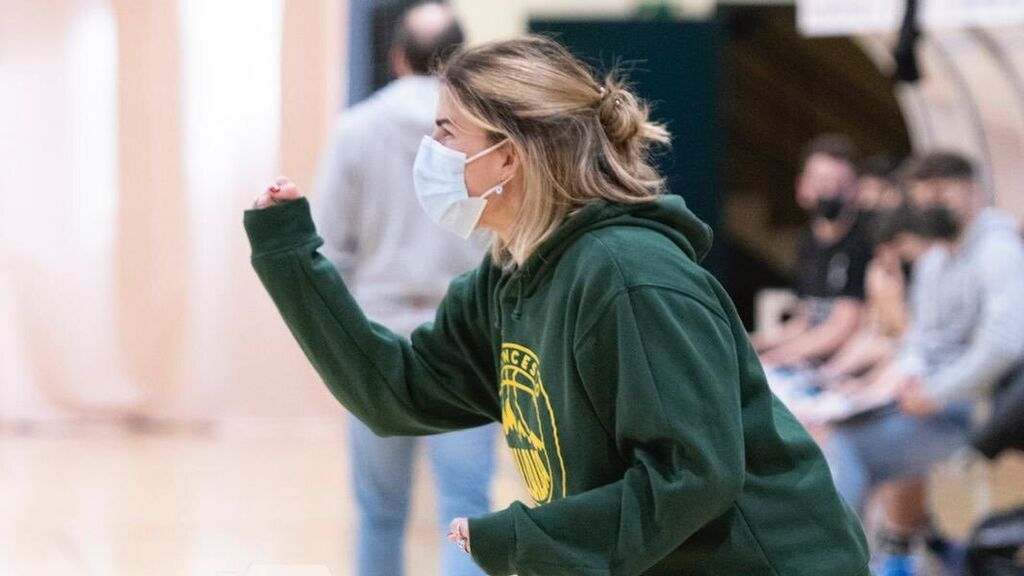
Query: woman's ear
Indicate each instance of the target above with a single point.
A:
(510, 162)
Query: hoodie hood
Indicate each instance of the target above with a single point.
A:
(667, 215)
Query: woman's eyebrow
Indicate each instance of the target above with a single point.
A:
(441, 122)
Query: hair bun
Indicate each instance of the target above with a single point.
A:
(623, 116)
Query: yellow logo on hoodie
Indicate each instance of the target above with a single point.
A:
(529, 423)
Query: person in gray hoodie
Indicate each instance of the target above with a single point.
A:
(398, 265)
(966, 332)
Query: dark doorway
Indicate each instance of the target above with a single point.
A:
(674, 65)
(371, 31)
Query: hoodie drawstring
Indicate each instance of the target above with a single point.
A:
(517, 312)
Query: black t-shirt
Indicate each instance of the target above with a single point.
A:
(825, 272)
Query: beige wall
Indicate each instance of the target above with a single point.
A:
(58, 199)
(152, 252)
(139, 132)
(493, 20)
(311, 81)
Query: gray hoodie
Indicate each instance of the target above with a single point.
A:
(966, 314)
(396, 262)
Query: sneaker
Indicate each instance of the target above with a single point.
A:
(952, 555)
(898, 566)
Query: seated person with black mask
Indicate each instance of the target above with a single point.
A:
(966, 333)
(833, 255)
(896, 237)
(879, 189)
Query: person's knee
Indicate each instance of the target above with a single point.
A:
(841, 451)
(382, 472)
(906, 505)
(383, 502)
(849, 472)
(384, 517)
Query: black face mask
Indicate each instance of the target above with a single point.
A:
(908, 269)
(870, 215)
(939, 222)
(829, 208)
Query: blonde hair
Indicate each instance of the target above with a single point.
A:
(579, 140)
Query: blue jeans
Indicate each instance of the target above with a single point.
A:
(865, 454)
(382, 469)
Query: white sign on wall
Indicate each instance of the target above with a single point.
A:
(851, 17)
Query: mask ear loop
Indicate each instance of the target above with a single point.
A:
(486, 151)
(501, 186)
(497, 189)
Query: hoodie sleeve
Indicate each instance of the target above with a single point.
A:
(998, 340)
(662, 372)
(435, 381)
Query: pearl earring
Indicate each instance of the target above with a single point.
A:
(499, 189)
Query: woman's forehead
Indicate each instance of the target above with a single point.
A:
(449, 111)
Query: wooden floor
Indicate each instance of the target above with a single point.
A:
(99, 500)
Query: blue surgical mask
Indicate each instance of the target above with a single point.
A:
(439, 175)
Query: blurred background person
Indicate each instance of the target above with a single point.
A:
(398, 265)
(878, 187)
(966, 332)
(893, 234)
(832, 257)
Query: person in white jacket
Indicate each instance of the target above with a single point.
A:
(398, 265)
(966, 333)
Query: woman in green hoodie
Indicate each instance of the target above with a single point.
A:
(631, 399)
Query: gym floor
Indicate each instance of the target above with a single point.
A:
(271, 497)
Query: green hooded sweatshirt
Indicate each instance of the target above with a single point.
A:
(631, 399)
